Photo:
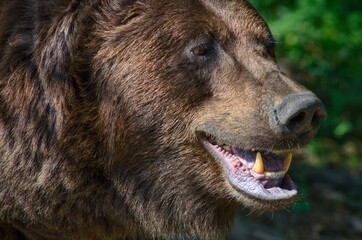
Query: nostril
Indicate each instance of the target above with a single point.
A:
(298, 119)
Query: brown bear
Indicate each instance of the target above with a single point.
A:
(137, 119)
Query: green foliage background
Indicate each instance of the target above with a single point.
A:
(319, 42)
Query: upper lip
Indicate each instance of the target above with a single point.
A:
(252, 142)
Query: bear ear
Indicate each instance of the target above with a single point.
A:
(56, 38)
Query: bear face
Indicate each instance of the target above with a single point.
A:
(154, 119)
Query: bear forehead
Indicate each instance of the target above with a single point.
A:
(238, 16)
(229, 18)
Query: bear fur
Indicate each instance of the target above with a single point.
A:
(100, 101)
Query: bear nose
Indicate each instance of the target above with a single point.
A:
(301, 112)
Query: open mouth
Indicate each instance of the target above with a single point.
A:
(260, 175)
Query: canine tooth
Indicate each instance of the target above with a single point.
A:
(287, 161)
(259, 165)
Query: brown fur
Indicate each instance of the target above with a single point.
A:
(99, 105)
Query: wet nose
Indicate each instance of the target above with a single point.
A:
(300, 113)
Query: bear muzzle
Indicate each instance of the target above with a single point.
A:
(256, 174)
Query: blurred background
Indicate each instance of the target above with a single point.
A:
(319, 44)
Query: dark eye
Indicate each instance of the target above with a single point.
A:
(265, 52)
(200, 51)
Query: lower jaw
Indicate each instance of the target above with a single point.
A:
(264, 196)
(259, 205)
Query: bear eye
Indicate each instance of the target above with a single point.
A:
(200, 51)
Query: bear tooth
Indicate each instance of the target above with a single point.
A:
(259, 165)
(287, 161)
